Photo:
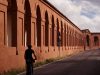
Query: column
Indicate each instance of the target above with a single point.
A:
(33, 30)
(43, 32)
(20, 29)
(3, 22)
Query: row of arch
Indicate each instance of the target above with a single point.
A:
(12, 23)
(95, 41)
(68, 36)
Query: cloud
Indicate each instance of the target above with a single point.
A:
(83, 13)
(95, 2)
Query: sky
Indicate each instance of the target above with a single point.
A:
(83, 13)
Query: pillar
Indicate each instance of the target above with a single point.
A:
(33, 25)
(3, 22)
(43, 32)
(20, 29)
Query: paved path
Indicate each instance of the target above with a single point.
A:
(85, 63)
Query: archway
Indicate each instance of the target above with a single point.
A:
(65, 35)
(27, 23)
(88, 40)
(12, 23)
(96, 41)
(53, 30)
(61, 33)
(38, 26)
(46, 28)
(58, 33)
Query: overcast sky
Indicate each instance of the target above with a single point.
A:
(84, 13)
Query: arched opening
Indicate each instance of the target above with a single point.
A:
(38, 26)
(61, 33)
(52, 30)
(87, 40)
(75, 39)
(12, 23)
(72, 37)
(65, 35)
(58, 33)
(46, 28)
(96, 41)
(27, 23)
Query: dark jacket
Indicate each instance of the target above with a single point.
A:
(28, 56)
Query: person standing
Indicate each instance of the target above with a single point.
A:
(29, 60)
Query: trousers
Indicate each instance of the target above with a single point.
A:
(29, 69)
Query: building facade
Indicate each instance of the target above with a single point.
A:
(40, 24)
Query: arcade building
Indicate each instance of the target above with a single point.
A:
(39, 23)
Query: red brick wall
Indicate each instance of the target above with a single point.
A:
(8, 57)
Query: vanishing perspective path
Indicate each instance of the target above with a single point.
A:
(85, 63)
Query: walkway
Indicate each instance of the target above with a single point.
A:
(85, 63)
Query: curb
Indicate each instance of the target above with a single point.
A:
(47, 64)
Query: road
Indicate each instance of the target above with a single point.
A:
(85, 63)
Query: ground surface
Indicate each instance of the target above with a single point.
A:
(85, 63)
